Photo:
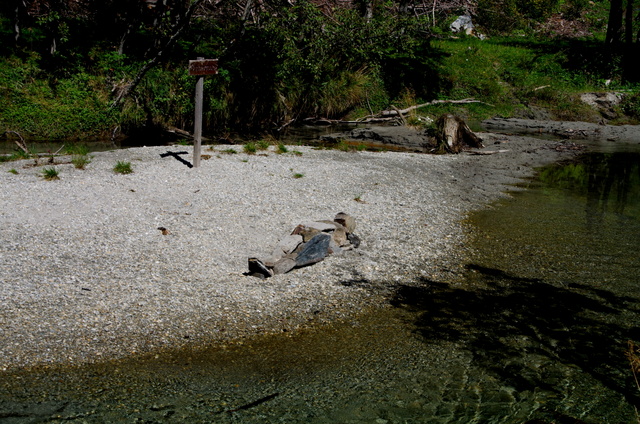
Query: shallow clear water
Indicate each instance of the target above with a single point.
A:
(535, 332)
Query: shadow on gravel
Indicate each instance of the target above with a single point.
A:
(525, 331)
(176, 155)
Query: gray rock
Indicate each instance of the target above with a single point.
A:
(463, 24)
(283, 266)
(315, 250)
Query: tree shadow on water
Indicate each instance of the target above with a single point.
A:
(522, 331)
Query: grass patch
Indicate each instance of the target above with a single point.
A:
(13, 171)
(298, 175)
(229, 151)
(511, 75)
(50, 174)
(281, 149)
(123, 168)
(80, 161)
(250, 148)
(263, 144)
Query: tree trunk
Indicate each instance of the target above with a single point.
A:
(628, 24)
(453, 135)
(614, 27)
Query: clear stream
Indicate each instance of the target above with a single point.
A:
(536, 332)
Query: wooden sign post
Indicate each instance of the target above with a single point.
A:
(200, 67)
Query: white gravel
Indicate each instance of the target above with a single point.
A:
(85, 274)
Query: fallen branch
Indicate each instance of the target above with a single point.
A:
(389, 115)
(396, 112)
(21, 143)
(399, 114)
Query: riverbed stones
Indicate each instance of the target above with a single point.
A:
(310, 242)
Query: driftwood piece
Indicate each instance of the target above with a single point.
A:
(453, 135)
(396, 112)
(385, 115)
(21, 143)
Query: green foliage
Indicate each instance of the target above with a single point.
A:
(298, 175)
(51, 108)
(289, 62)
(631, 106)
(503, 16)
(123, 168)
(50, 174)
(13, 171)
(511, 75)
(281, 148)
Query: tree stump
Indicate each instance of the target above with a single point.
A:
(453, 135)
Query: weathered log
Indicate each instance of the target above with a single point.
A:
(453, 135)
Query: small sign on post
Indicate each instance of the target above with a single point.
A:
(200, 68)
(203, 66)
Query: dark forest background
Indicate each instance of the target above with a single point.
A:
(86, 68)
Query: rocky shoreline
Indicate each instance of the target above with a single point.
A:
(88, 276)
(566, 130)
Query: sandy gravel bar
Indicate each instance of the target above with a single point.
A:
(85, 274)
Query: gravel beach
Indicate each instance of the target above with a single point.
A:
(86, 275)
